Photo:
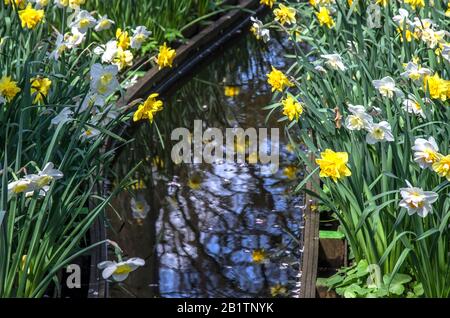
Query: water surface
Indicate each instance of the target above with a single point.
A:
(213, 230)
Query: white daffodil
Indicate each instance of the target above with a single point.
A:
(20, 186)
(120, 271)
(402, 18)
(61, 46)
(39, 4)
(74, 38)
(334, 61)
(130, 82)
(42, 192)
(104, 79)
(426, 152)
(139, 208)
(61, 3)
(89, 133)
(359, 119)
(446, 52)
(386, 87)
(320, 69)
(44, 177)
(140, 35)
(108, 52)
(83, 20)
(103, 23)
(432, 38)
(64, 116)
(415, 72)
(413, 107)
(105, 117)
(259, 31)
(92, 100)
(415, 200)
(379, 132)
(423, 23)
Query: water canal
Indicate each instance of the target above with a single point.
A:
(212, 230)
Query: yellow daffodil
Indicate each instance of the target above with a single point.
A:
(148, 109)
(123, 40)
(324, 17)
(278, 80)
(123, 58)
(17, 3)
(382, 2)
(165, 56)
(278, 290)
(436, 86)
(442, 167)
(76, 4)
(195, 182)
(333, 165)
(231, 91)
(408, 35)
(40, 87)
(284, 14)
(30, 17)
(259, 256)
(8, 88)
(291, 108)
(416, 3)
(290, 172)
(447, 13)
(268, 3)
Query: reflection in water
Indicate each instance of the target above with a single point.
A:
(212, 230)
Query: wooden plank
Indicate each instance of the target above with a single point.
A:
(202, 40)
(310, 256)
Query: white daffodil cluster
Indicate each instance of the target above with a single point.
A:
(360, 119)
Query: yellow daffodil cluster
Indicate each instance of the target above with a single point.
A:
(148, 109)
